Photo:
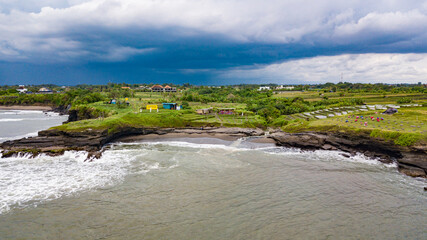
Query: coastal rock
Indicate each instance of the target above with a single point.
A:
(411, 170)
(55, 142)
(411, 160)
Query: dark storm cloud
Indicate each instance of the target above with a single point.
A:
(189, 40)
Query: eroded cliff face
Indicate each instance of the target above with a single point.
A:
(411, 160)
(55, 142)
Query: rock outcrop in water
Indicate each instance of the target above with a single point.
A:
(411, 160)
(55, 142)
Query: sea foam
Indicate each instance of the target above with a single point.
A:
(11, 119)
(27, 181)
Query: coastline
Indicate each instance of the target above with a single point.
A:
(411, 160)
(221, 136)
(22, 107)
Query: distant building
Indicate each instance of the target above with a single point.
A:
(287, 88)
(125, 87)
(160, 88)
(204, 111)
(22, 89)
(171, 106)
(157, 88)
(263, 88)
(45, 90)
(168, 88)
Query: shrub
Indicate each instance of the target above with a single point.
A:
(404, 100)
(185, 105)
(407, 139)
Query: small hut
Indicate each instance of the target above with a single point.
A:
(204, 111)
(171, 106)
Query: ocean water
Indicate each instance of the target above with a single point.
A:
(207, 188)
(15, 124)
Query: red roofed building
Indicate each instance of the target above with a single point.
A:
(160, 88)
(157, 88)
(169, 89)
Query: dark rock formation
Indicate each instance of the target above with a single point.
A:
(72, 116)
(62, 110)
(55, 142)
(411, 161)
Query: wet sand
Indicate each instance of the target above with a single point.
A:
(20, 107)
(222, 136)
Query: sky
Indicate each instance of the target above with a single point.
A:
(212, 42)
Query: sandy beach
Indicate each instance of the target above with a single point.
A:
(226, 137)
(20, 107)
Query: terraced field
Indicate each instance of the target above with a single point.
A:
(340, 111)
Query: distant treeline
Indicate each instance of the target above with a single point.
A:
(75, 96)
(334, 87)
(263, 103)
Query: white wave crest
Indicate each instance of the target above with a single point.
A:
(32, 134)
(328, 155)
(27, 181)
(11, 119)
(183, 144)
(20, 112)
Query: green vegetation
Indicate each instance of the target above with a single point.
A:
(405, 128)
(296, 110)
(75, 97)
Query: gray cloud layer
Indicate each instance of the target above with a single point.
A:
(365, 68)
(35, 31)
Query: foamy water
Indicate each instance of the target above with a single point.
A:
(11, 119)
(27, 181)
(203, 188)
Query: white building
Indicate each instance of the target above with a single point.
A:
(22, 89)
(287, 88)
(263, 88)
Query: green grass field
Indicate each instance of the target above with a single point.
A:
(369, 98)
(162, 118)
(407, 127)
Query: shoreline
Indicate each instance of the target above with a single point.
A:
(221, 136)
(411, 160)
(22, 107)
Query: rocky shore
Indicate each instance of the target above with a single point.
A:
(411, 161)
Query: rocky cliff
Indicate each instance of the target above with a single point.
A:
(411, 160)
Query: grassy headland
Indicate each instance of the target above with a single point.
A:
(405, 128)
(321, 108)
